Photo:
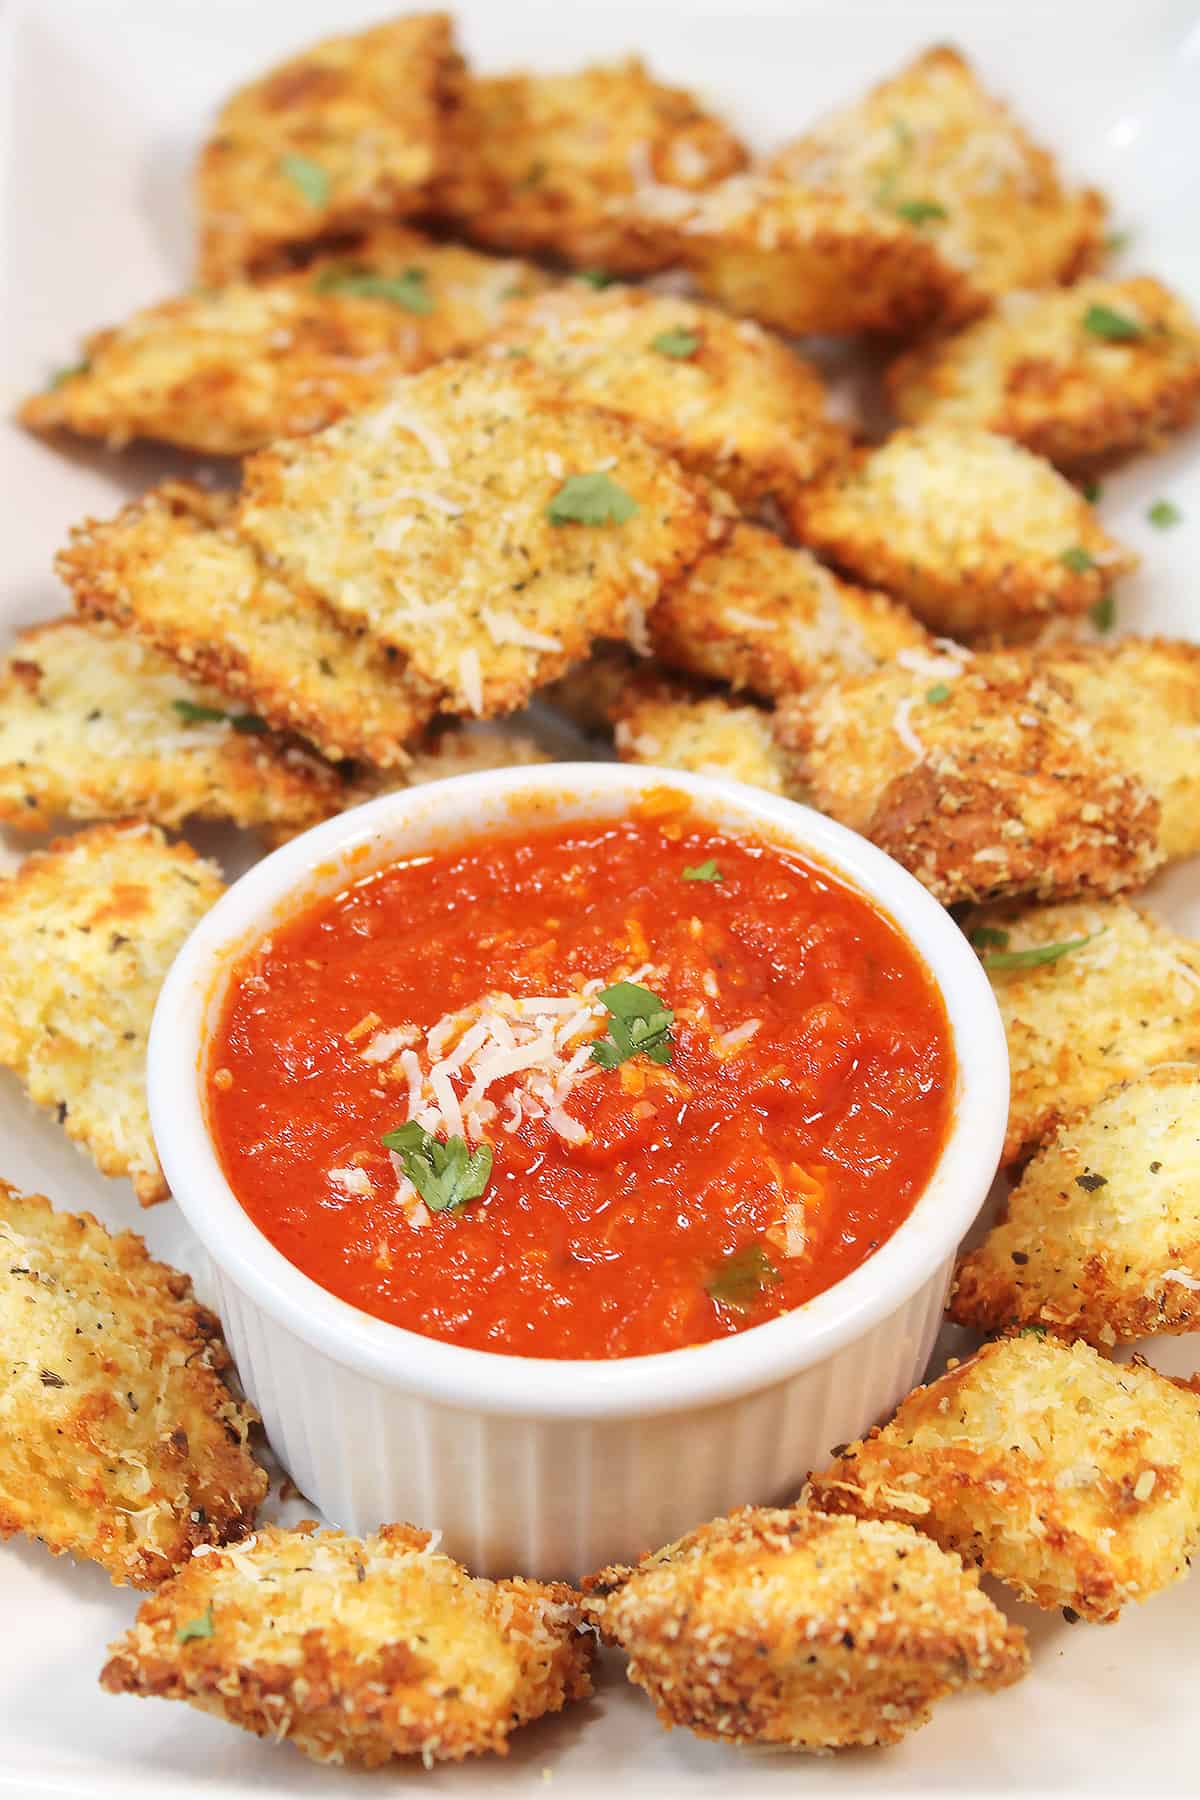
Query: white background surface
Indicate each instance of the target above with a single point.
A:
(101, 106)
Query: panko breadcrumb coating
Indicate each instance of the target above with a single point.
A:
(356, 1650)
(1124, 997)
(348, 134)
(480, 522)
(225, 370)
(1101, 1235)
(793, 1629)
(667, 726)
(88, 930)
(548, 163)
(1079, 374)
(169, 568)
(725, 397)
(982, 539)
(762, 615)
(96, 725)
(1073, 1479)
(978, 773)
(931, 147)
(119, 1441)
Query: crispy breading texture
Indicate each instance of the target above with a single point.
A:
(932, 146)
(789, 1628)
(168, 568)
(802, 258)
(978, 773)
(1073, 1479)
(761, 615)
(88, 930)
(980, 537)
(1125, 998)
(119, 1441)
(662, 724)
(549, 162)
(226, 370)
(1101, 1235)
(96, 725)
(432, 520)
(1080, 375)
(722, 395)
(591, 693)
(336, 139)
(356, 1650)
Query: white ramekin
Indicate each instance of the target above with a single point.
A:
(535, 1466)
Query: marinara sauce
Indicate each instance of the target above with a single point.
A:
(779, 1128)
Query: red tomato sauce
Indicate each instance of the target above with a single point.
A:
(705, 1194)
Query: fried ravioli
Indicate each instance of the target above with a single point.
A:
(723, 396)
(119, 1441)
(481, 523)
(1073, 1479)
(764, 616)
(169, 569)
(548, 163)
(978, 773)
(356, 1650)
(88, 930)
(226, 370)
(931, 147)
(662, 724)
(339, 138)
(1079, 375)
(96, 725)
(1101, 1235)
(982, 539)
(1112, 992)
(793, 1629)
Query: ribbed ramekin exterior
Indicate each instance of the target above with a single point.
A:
(559, 1497)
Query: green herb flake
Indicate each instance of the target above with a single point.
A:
(1077, 559)
(1092, 492)
(739, 1279)
(1036, 956)
(535, 174)
(594, 499)
(705, 871)
(201, 1627)
(308, 177)
(596, 278)
(192, 713)
(408, 289)
(989, 937)
(1104, 613)
(1116, 241)
(1117, 328)
(677, 341)
(1038, 1331)
(249, 724)
(938, 694)
(1089, 1182)
(61, 376)
(447, 1176)
(1164, 514)
(639, 1024)
(920, 212)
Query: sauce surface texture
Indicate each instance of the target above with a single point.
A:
(630, 1208)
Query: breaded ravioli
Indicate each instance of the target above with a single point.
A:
(932, 147)
(480, 522)
(356, 1650)
(660, 723)
(727, 398)
(226, 370)
(96, 725)
(88, 930)
(762, 615)
(593, 691)
(784, 1627)
(1101, 1235)
(348, 134)
(1078, 374)
(548, 163)
(1073, 1479)
(978, 773)
(1091, 994)
(982, 539)
(169, 568)
(119, 1441)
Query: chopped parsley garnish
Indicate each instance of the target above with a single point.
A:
(639, 1024)
(920, 212)
(989, 937)
(193, 713)
(705, 871)
(1038, 1331)
(1164, 514)
(407, 290)
(1035, 956)
(307, 176)
(740, 1278)
(447, 1176)
(1116, 327)
(1104, 613)
(201, 1627)
(1116, 241)
(68, 373)
(1089, 1182)
(594, 499)
(1092, 492)
(596, 278)
(1078, 559)
(938, 694)
(677, 341)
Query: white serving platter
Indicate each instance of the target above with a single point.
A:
(101, 105)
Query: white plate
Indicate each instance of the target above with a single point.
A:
(102, 105)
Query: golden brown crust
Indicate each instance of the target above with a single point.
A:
(666, 724)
